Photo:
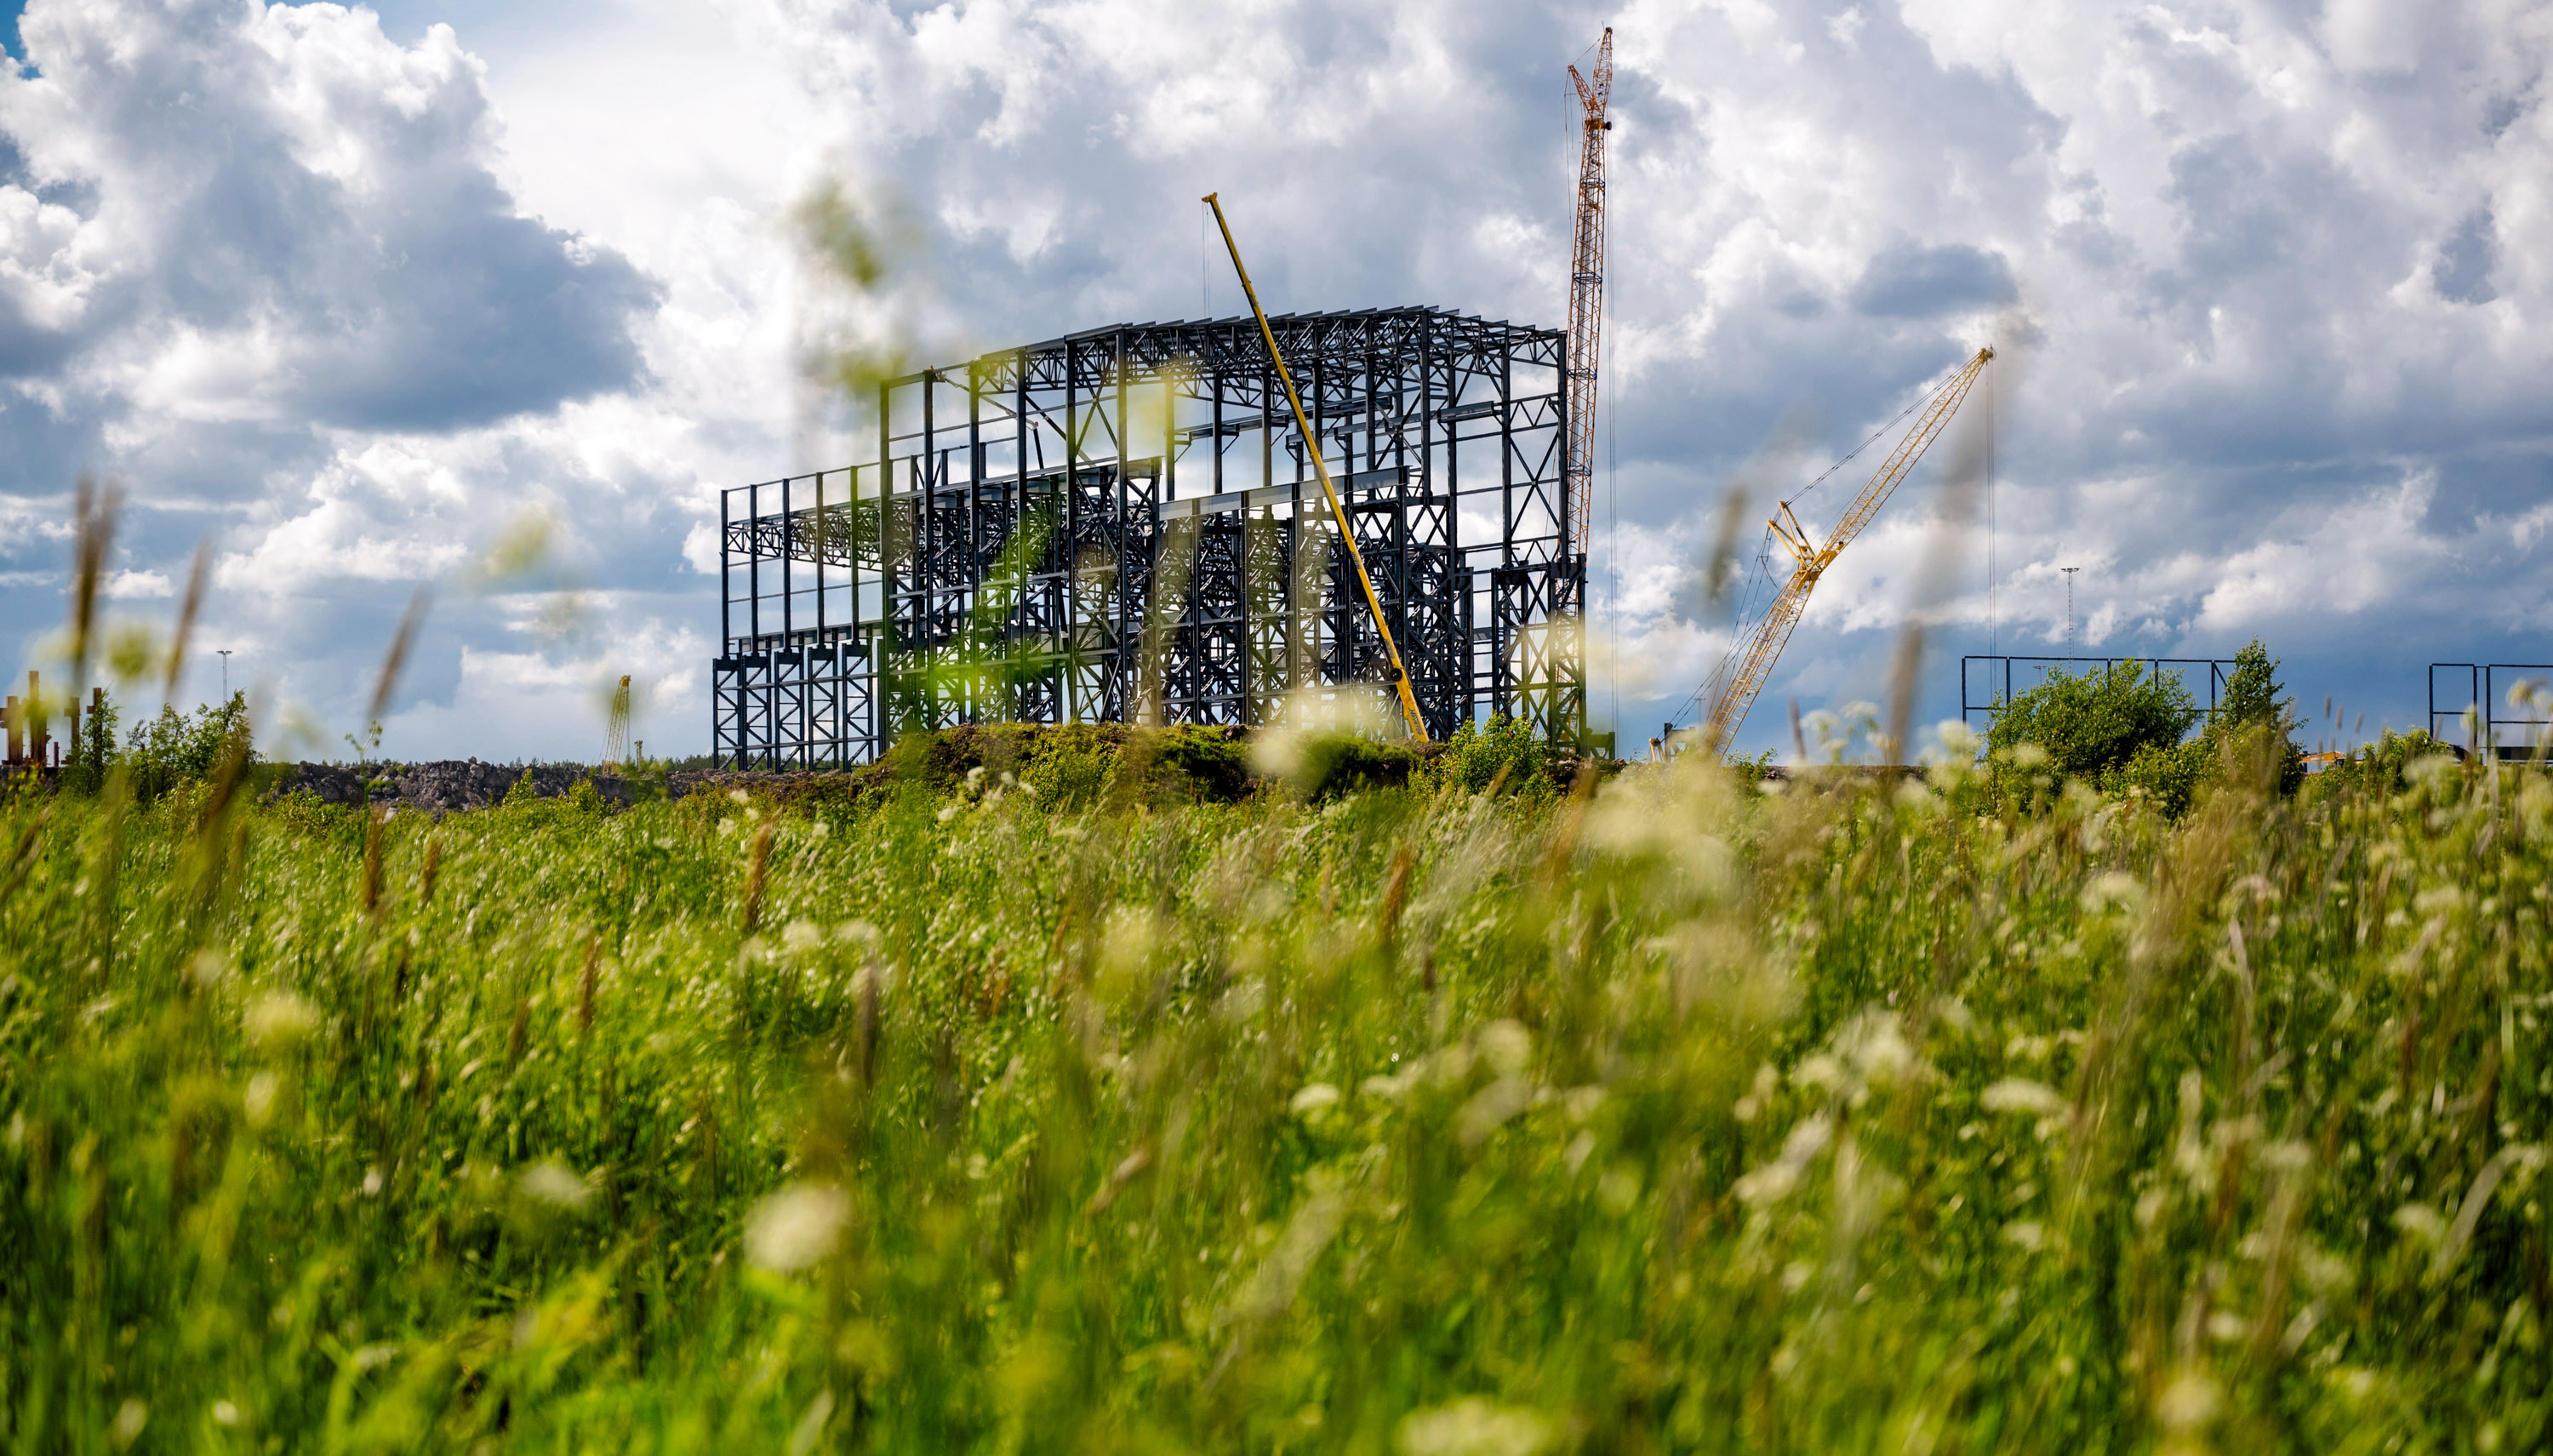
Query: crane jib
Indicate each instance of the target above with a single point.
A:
(1743, 674)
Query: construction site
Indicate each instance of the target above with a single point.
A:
(1256, 521)
(1130, 525)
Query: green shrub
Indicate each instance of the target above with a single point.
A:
(2163, 775)
(1068, 776)
(303, 814)
(1507, 752)
(178, 749)
(2380, 767)
(2125, 730)
(2096, 723)
(1334, 765)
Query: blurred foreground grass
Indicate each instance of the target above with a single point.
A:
(1681, 1117)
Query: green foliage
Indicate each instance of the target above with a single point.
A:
(303, 814)
(2253, 696)
(1752, 772)
(1682, 1118)
(1335, 765)
(524, 795)
(2254, 731)
(92, 747)
(1074, 765)
(2381, 767)
(2125, 730)
(178, 749)
(2164, 776)
(1508, 753)
(2095, 724)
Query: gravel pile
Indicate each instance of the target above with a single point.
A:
(445, 786)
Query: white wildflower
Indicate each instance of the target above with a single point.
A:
(1473, 1427)
(1315, 1097)
(2020, 1094)
(278, 1021)
(795, 1227)
(551, 1182)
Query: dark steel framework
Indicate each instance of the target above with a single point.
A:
(1994, 674)
(2510, 729)
(1123, 526)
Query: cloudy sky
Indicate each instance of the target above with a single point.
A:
(355, 292)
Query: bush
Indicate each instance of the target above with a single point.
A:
(1071, 766)
(2381, 767)
(1506, 753)
(2165, 776)
(1334, 765)
(2095, 725)
(2124, 731)
(181, 748)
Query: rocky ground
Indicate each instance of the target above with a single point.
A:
(442, 787)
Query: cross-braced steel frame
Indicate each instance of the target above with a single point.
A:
(1124, 526)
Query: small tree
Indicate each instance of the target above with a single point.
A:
(2254, 721)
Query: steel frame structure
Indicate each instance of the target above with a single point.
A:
(1123, 526)
(2485, 694)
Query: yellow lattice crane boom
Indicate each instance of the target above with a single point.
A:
(1732, 687)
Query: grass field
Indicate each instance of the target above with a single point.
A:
(1678, 1116)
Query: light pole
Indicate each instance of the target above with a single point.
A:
(2072, 646)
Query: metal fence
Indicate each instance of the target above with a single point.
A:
(2471, 705)
(1988, 682)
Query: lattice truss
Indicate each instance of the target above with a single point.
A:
(1123, 526)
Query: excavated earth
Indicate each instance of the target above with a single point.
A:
(442, 787)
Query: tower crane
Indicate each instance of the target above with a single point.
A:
(1732, 687)
(1586, 289)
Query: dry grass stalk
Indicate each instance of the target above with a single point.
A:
(753, 878)
(94, 511)
(395, 661)
(188, 606)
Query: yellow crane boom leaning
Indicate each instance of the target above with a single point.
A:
(1338, 514)
(1733, 686)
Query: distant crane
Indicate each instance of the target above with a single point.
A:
(1732, 687)
(615, 730)
(1586, 289)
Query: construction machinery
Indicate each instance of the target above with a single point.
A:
(1586, 288)
(1398, 674)
(1732, 688)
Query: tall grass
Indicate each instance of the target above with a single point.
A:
(1675, 1116)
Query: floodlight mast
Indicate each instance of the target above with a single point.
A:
(1320, 467)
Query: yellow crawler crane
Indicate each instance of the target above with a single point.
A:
(1732, 687)
(1338, 514)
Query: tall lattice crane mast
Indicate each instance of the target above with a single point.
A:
(1586, 289)
(1732, 687)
